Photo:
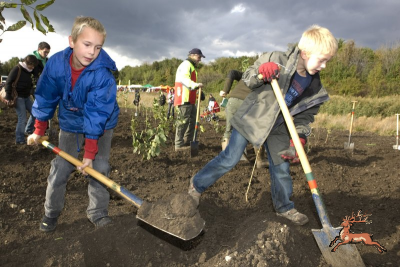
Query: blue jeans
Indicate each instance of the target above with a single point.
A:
(30, 125)
(171, 107)
(23, 105)
(281, 181)
(61, 169)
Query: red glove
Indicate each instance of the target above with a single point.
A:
(290, 154)
(269, 71)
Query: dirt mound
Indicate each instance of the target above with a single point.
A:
(236, 232)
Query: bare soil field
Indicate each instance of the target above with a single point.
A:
(236, 232)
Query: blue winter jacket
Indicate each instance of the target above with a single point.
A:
(91, 107)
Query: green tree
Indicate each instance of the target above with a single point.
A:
(39, 18)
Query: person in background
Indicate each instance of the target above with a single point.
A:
(170, 100)
(163, 98)
(236, 98)
(79, 81)
(186, 86)
(24, 87)
(41, 54)
(259, 120)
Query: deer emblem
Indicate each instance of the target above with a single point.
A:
(348, 237)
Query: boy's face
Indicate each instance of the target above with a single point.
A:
(44, 52)
(86, 47)
(314, 63)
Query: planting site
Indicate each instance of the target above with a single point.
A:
(236, 232)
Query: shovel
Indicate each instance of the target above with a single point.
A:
(349, 255)
(348, 145)
(194, 145)
(196, 226)
(396, 146)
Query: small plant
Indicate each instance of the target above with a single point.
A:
(149, 141)
(217, 127)
(125, 95)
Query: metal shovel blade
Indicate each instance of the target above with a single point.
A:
(176, 215)
(348, 145)
(143, 207)
(194, 148)
(345, 255)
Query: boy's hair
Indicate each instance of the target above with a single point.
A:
(31, 60)
(81, 22)
(317, 39)
(43, 45)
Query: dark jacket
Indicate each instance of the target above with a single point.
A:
(91, 107)
(24, 84)
(241, 90)
(259, 118)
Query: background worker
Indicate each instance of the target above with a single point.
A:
(41, 54)
(186, 86)
(236, 97)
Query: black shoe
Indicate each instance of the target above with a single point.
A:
(102, 222)
(48, 224)
(20, 143)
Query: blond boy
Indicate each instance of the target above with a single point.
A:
(259, 122)
(78, 80)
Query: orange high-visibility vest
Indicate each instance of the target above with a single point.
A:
(185, 84)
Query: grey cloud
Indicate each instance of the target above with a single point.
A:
(152, 30)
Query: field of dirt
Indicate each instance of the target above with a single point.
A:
(236, 232)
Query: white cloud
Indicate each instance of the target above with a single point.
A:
(238, 9)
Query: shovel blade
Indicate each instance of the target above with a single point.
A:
(194, 148)
(345, 255)
(176, 215)
(348, 145)
(183, 236)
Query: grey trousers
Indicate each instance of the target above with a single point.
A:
(186, 123)
(61, 169)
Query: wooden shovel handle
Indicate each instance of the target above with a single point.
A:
(197, 116)
(292, 128)
(123, 192)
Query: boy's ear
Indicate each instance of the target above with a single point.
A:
(71, 42)
(303, 54)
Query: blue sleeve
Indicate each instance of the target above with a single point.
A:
(47, 93)
(100, 105)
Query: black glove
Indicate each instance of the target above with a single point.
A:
(290, 154)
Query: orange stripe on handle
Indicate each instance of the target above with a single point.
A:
(312, 184)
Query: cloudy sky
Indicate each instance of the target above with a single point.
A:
(152, 30)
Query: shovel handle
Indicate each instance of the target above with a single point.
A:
(123, 192)
(196, 127)
(312, 183)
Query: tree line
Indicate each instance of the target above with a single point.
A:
(354, 71)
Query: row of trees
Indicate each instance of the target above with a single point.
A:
(355, 71)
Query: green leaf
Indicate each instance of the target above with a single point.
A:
(47, 23)
(26, 15)
(16, 26)
(38, 24)
(8, 5)
(43, 6)
(28, 2)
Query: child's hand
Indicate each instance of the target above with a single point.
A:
(86, 163)
(290, 154)
(33, 139)
(269, 71)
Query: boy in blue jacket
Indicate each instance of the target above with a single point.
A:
(79, 81)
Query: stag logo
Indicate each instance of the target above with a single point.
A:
(347, 237)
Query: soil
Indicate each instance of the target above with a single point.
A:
(236, 232)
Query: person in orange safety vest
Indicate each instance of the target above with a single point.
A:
(186, 86)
